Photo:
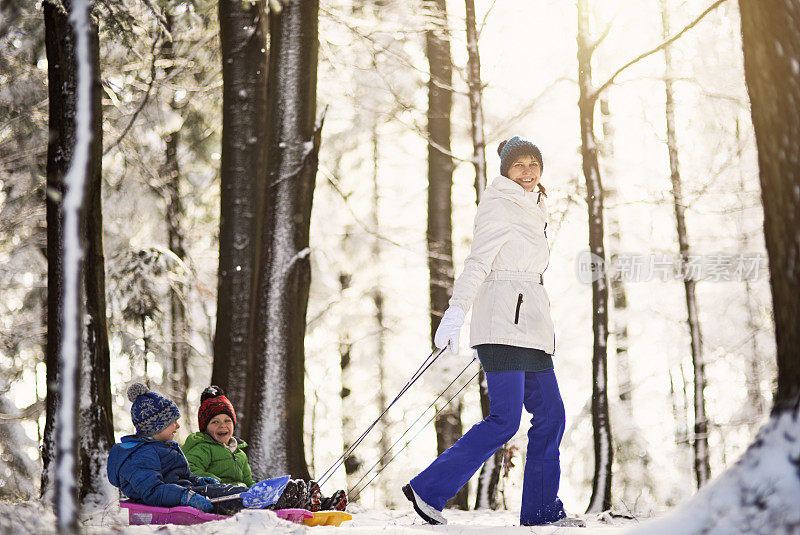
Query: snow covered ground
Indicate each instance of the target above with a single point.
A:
(32, 518)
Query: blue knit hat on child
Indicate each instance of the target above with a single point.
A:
(151, 412)
(515, 148)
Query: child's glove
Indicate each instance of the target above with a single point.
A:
(192, 499)
(207, 481)
(449, 329)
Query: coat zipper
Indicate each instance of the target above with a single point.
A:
(519, 304)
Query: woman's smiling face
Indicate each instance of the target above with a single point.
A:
(220, 428)
(526, 172)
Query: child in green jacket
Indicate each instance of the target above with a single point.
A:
(215, 452)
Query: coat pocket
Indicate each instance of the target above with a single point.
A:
(516, 314)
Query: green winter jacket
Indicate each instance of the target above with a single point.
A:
(209, 458)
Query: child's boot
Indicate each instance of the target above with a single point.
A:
(314, 497)
(336, 502)
(293, 496)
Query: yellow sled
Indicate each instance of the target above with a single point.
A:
(327, 518)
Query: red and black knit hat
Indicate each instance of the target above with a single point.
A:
(212, 403)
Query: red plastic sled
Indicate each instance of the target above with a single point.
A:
(139, 514)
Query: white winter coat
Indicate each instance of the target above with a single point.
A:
(502, 272)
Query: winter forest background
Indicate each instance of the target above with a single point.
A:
(278, 196)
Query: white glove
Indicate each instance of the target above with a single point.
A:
(449, 330)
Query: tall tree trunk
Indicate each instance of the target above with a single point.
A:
(601, 424)
(486, 490)
(475, 85)
(353, 463)
(243, 28)
(377, 300)
(440, 183)
(601, 485)
(349, 374)
(93, 395)
(702, 470)
(97, 427)
(180, 349)
(771, 42)
(276, 394)
(73, 166)
(632, 458)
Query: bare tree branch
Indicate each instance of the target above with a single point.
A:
(486, 16)
(605, 33)
(529, 107)
(334, 182)
(663, 45)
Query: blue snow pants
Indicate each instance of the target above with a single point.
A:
(508, 393)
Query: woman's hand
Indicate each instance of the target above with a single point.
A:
(449, 330)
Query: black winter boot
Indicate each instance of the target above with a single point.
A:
(336, 502)
(314, 497)
(293, 496)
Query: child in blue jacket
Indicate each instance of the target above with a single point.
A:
(150, 468)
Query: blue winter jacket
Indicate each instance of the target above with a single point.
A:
(149, 471)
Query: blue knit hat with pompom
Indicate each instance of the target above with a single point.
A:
(151, 412)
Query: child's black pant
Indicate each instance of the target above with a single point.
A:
(227, 507)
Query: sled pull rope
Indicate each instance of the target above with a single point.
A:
(417, 374)
(354, 496)
(435, 354)
(412, 425)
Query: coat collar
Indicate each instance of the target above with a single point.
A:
(205, 437)
(129, 442)
(506, 188)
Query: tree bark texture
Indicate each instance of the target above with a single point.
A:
(440, 183)
(96, 426)
(601, 423)
(702, 469)
(243, 176)
(771, 42)
(276, 395)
